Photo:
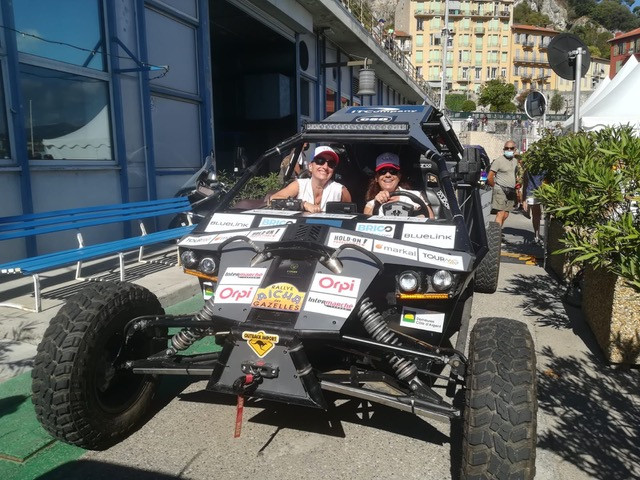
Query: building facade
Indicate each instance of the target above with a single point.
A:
(623, 45)
(107, 102)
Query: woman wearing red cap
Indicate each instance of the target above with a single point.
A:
(316, 191)
(387, 180)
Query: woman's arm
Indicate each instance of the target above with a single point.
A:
(290, 190)
(346, 196)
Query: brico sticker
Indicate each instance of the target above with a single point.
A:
(441, 259)
(270, 222)
(380, 229)
(335, 285)
(278, 296)
(239, 294)
(395, 250)
(422, 319)
(243, 276)
(442, 236)
(337, 239)
(326, 304)
(201, 240)
(228, 221)
(260, 342)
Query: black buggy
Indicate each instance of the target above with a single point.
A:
(307, 308)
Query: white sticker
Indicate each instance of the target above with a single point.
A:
(270, 222)
(207, 290)
(243, 276)
(380, 229)
(235, 294)
(329, 304)
(422, 319)
(228, 221)
(395, 250)
(331, 215)
(442, 236)
(441, 259)
(269, 235)
(221, 237)
(337, 239)
(335, 285)
(268, 211)
(405, 219)
(193, 240)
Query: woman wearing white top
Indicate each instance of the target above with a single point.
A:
(316, 191)
(386, 181)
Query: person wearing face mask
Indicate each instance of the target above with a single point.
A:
(319, 189)
(502, 177)
(388, 179)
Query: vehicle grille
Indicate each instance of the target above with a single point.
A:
(307, 233)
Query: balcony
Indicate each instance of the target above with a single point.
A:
(528, 44)
(405, 47)
(479, 30)
(504, 13)
(526, 77)
(463, 80)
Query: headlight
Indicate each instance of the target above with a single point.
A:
(408, 281)
(188, 258)
(442, 280)
(207, 265)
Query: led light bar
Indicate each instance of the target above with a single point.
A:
(213, 278)
(422, 296)
(357, 127)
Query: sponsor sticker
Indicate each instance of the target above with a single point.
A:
(270, 222)
(269, 235)
(193, 240)
(337, 239)
(278, 296)
(406, 219)
(207, 290)
(243, 276)
(442, 236)
(380, 229)
(335, 285)
(395, 250)
(260, 342)
(228, 221)
(422, 319)
(268, 211)
(441, 259)
(239, 294)
(326, 304)
(342, 216)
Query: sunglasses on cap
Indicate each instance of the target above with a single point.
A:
(331, 163)
(392, 171)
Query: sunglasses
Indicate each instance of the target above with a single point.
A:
(392, 171)
(509, 148)
(330, 163)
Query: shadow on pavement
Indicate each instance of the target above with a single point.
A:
(597, 415)
(10, 404)
(95, 470)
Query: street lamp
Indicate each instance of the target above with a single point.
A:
(445, 41)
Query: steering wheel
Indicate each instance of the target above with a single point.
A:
(423, 208)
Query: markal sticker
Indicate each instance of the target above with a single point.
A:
(335, 285)
(239, 294)
(395, 250)
(337, 239)
(194, 240)
(380, 229)
(329, 304)
(441, 259)
(442, 236)
(260, 342)
(243, 275)
(228, 221)
(422, 319)
(279, 296)
(270, 222)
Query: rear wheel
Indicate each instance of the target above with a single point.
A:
(501, 405)
(80, 396)
(488, 271)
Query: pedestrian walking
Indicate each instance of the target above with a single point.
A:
(378, 30)
(532, 203)
(469, 123)
(502, 177)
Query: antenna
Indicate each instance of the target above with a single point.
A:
(569, 57)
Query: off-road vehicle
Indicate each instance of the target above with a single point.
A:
(307, 308)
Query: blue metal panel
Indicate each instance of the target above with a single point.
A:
(204, 69)
(298, 99)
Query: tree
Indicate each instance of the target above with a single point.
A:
(614, 16)
(556, 103)
(454, 101)
(522, 14)
(594, 38)
(498, 94)
(468, 106)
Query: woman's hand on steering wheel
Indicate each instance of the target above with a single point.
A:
(422, 207)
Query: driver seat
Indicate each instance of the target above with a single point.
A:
(434, 201)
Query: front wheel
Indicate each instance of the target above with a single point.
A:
(488, 271)
(501, 405)
(80, 396)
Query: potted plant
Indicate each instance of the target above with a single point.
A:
(593, 180)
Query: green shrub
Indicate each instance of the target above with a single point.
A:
(468, 106)
(256, 188)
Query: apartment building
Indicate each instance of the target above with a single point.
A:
(623, 45)
(528, 57)
(477, 50)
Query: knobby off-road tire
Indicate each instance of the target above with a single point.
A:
(499, 439)
(486, 277)
(78, 396)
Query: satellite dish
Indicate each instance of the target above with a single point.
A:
(535, 105)
(560, 58)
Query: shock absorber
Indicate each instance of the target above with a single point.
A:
(375, 326)
(188, 336)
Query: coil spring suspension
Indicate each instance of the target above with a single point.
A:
(188, 336)
(375, 326)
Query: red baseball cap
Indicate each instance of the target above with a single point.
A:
(326, 152)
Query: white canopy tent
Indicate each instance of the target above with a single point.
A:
(89, 142)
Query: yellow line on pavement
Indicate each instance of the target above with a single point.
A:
(527, 259)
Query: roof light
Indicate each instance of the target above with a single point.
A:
(357, 127)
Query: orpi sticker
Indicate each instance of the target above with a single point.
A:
(238, 294)
(278, 296)
(335, 285)
(422, 319)
(260, 342)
